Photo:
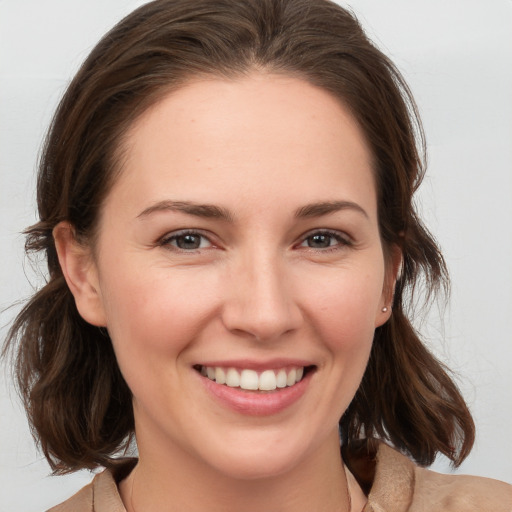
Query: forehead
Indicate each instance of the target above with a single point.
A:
(216, 136)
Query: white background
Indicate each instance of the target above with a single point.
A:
(457, 57)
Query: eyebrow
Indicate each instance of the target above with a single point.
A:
(210, 211)
(325, 208)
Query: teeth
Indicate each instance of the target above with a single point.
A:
(281, 379)
(267, 380)
(220, 376)
(248, 379)
(290, 380)
(232, 378)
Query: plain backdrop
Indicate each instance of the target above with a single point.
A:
(457, 57)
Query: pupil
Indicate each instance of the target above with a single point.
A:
(320, 241)
(188, 242)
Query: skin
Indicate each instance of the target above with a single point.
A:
(259, 287)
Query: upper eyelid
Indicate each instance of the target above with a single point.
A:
(172, 235)
(342, 235)
(325, 231)
(342, 239)
(186, 231)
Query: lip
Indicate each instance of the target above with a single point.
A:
(256, 403)
(258, 366)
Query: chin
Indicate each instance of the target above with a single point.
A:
(262, 467)
(259, 457)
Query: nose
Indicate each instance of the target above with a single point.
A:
(261, 302)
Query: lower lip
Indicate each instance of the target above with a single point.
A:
(256, 403)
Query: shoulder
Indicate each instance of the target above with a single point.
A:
(101, 495)
(460, 493)
(81, 502)
(393, 483)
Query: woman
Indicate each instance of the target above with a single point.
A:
(226, 210)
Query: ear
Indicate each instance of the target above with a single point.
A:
(393, 261)
(81, 274)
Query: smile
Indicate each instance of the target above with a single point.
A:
(251, 380)
(256, 388)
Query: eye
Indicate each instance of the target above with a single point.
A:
(324, 240)
(186, 241)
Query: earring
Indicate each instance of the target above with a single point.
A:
(384, 309)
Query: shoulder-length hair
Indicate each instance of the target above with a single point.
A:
(78, 403)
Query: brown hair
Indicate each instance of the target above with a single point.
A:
(78, 403)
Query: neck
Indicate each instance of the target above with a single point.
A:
(173, 480)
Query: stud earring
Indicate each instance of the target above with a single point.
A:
(384, 309)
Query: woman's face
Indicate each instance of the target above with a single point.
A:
(241, 242)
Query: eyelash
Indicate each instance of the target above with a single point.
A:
(168, 240)
(342, 240)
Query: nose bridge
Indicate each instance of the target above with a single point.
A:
(261, 299)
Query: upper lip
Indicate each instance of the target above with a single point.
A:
(251, 364)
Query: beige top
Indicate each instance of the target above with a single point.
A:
(392, 482)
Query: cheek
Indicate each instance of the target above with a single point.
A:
(344, 309)
(342, 316)
(152, 318)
